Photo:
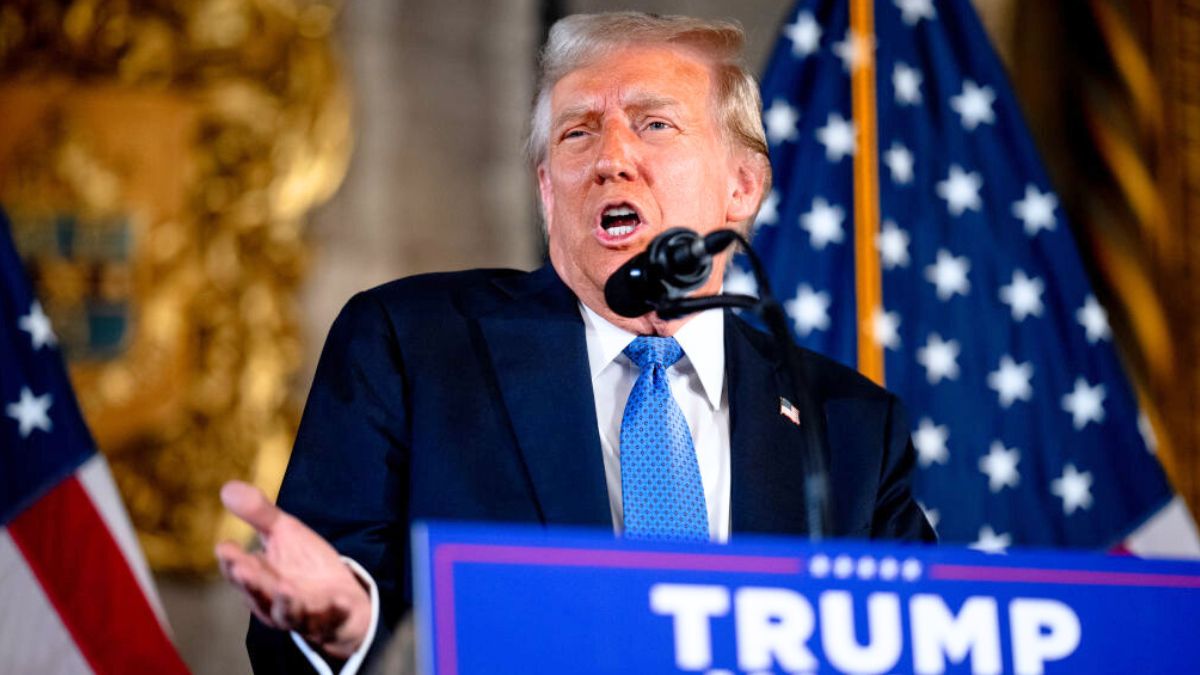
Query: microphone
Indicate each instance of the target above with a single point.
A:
(676, 262)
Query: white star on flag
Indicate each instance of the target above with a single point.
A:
(1094, 320)
(37, 324)
(990, 542)
(1036, 210)
(1023, 295)
(899, 162)
(940, 358)
(768, 212)
(929, 440)
(906, 82)
(949, 275)
(960, 190)
(932, 515)
(1074, 488)
(1146, 430)
(1085, 403)
(885, 328)
(854, 50)
(780, 120)
(838, 137)
(912, 11)
(30, 412)
(805, 34)
(823, 223)
(740, 282)
(809, 310)
(1011, 381)
(1000, 465)
(974, 105)
(892, 243)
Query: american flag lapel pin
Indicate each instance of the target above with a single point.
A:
(789, 411)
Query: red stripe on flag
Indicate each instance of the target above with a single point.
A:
(87, 579)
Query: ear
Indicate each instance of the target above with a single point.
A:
(546, 193)
(747, 179)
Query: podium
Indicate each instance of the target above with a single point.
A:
(505, 599)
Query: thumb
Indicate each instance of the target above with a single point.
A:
(249, 503)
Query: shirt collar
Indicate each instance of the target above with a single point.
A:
(702, 339)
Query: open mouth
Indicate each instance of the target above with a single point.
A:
(619, 220)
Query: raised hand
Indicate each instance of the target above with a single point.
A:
(297, 582)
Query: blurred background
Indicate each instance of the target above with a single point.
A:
(196, 187)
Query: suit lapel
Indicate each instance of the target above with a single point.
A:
(766, 449)
(536, 342)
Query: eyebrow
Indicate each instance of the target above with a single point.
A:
(637, 104)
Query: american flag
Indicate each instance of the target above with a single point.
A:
(76, 595)
(1025, 426)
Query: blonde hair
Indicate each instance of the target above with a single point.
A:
(580, 39)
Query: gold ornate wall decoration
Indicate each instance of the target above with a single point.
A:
(158, 159)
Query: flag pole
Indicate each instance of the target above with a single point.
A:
(868, 287)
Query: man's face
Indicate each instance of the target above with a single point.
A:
(635, 149)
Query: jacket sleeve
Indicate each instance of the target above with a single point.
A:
(348, 474)
(897, 514)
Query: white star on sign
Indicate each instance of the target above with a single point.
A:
(823, 223)
(960, 190)
(974, 105)
(913, 11)
(805, 34)
(37, 324)
(990, 542)
(739, 281)
(906, 82)
(899, 163)
(780, 120)
(892, 243)
(949, 275)
(809, 310)
(1023, 295)
(838, 137)
(1094, 320)
(1011, 381)
(885, 328)
(31, 412)
(1000, 465)
(854, 50)
(1085, 403)
(768, 213)
(1074, 488)
(929, 440)
(1036, 210)
(940, 358)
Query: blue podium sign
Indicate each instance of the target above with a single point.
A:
(519, 600)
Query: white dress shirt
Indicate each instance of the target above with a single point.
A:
(697, 382)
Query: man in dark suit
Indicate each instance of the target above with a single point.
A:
(466, 395)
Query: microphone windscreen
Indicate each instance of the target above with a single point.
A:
(627, 289)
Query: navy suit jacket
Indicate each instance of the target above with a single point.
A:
(467, 396)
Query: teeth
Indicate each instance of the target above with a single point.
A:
(619, 211)
(620, 231)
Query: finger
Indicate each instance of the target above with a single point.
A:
(322, 627)
(254, 577)
(249, 503)
(287, 612)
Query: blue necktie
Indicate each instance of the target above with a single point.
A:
(661, 491)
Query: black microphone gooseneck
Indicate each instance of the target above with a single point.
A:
(679, 261)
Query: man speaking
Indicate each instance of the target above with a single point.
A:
(521, 397)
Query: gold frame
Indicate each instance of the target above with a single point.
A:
(213, 126)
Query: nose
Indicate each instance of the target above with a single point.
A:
(616, 158)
